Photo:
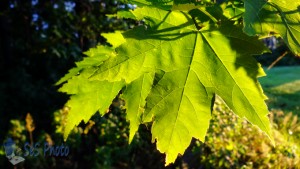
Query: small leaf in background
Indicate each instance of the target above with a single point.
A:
(49, 139)
(91, 123)
(29, 123)
(30, 126)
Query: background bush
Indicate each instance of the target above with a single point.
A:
(231, 142)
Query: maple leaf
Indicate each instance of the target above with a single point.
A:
(277, 17)
(96, 57)
(210, 61)
(135, 96)
(193, 59)
(87, 98)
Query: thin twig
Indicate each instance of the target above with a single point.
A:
(277, 60)
(31, 138)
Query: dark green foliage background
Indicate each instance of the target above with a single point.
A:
(32, 60)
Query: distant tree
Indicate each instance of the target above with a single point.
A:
(39, 42)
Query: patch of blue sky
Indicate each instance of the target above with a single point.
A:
(34, 2)
(45, 25)
(55, 6)
(132, 6)
(69, 6)
(35, 17)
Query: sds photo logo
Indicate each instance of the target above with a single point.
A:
(16, 155)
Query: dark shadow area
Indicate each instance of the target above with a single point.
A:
(39, 43)
(288, 102)
(159, 31)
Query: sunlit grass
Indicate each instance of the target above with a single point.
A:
(282, 86)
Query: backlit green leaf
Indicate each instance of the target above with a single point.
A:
(193, 59)
(87, 98)
(115, 39)
(278, 17)
(135, 96)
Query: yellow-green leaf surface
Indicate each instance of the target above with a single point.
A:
(180, 107)
(278, 17)
(139, 54)
(135, 96)
(96, 57)
(214, 61)
(87, 98)
(193, 59)
(115, 39)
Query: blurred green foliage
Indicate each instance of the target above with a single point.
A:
(39, 42)
(234, 143)
(231, 142)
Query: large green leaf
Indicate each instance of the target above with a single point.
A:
(278, 17)
(115, 39)
(180, 107)
(96, 57)
(139, 54)
(193, 59)
(135, 96)
(219, 63)
(87, 98)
